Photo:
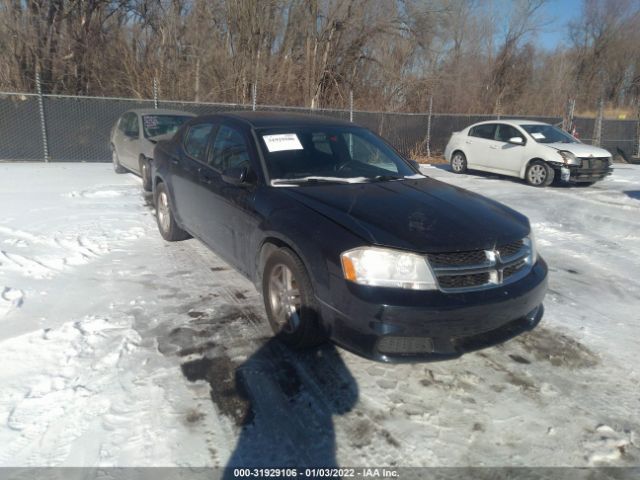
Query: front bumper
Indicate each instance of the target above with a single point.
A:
(587, 173)
(376, 322)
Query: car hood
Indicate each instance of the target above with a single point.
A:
(423, 215)
(580, 149)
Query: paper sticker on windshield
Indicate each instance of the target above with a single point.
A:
(538, 136)
(282, 141)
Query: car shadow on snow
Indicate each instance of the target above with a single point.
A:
(282, 400)
(635, 194)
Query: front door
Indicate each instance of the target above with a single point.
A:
(505, 157)
(231, 220)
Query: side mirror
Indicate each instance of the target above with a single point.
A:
(415, 164)
(235, 175)
(516, 140)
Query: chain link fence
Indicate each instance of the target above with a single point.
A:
(77, 129)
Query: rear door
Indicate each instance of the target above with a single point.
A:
(477, 145)
(506, 157)
(188, 179)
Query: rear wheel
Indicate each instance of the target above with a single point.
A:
(116, 162)
(458, 162)
(145, 173)
(539, 174)
(289, 300)
(167, 225)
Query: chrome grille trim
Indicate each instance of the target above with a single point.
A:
(502, 265)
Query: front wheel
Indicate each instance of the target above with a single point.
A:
(167, 225)
(539, 174)
(290, 302)
(458, 162)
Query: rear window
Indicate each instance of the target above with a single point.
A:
(483, 131)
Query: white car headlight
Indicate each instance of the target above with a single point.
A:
(383, 267)
(530, 242)
(568, 157)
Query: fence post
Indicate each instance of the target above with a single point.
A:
(155, 92)
(597, 127)
(351, 106)
(254, 97)
(43, 122)
(636, 153)
(429, 126)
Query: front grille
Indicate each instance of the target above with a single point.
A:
(513, 269)
(594, 163)
(478, 269)
(463, 281)
(510, 249)
(457, 259)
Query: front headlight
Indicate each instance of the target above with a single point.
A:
(383, 267)
(568, 157)
(530, 242)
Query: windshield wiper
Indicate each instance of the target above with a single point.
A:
(305, 180)
(385, 178)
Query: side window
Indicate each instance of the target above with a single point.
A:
(505, 132)
(229, 149)
(133, 125)
(122, 123)
(486, 130)
(195, 142)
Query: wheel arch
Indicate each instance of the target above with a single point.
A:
(268, 245)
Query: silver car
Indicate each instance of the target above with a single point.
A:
(135, 134)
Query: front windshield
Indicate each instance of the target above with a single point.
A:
(329, 154)
(548, 134)
(155, 125)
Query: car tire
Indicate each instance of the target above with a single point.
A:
(290, 302)
(539, 174)
(145, 173)
(116, 162)
(458, 162)
(167, 224)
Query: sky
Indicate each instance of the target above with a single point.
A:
(559, 12)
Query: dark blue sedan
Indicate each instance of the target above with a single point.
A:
(346, 239)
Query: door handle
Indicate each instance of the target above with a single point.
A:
(175, 161)
(468, 142)
(495, 147)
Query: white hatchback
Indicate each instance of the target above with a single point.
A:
(534, 151)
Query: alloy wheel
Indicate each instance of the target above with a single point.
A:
(537, 174)
(284, 297)
(457, 163)
(164, 213)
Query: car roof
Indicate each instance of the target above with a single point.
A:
(159, 111)
(279, 119)
(512, 121)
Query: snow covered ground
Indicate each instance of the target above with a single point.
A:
(119, 349)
